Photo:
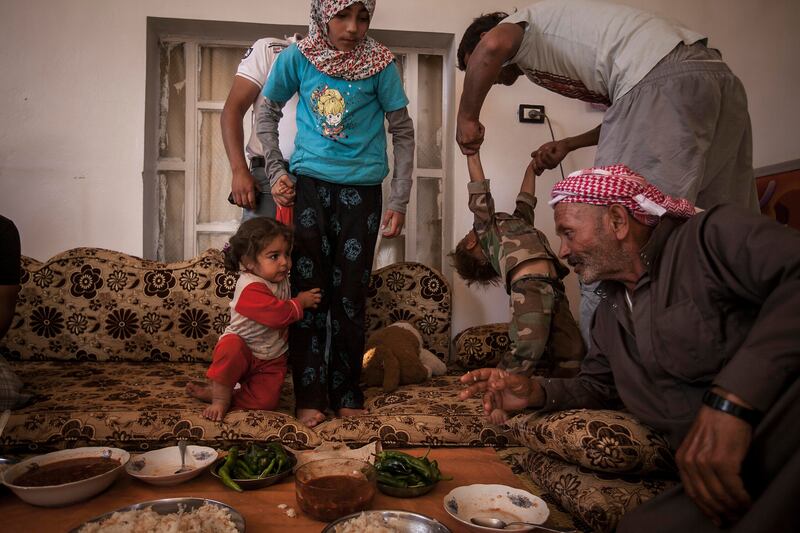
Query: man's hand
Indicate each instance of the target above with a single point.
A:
(392, 223)
(244, 188)
(709, 462)
(283, 191)
(469, 134)
(549, 155)
(502, 390)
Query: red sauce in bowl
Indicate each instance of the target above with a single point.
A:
(67, 471)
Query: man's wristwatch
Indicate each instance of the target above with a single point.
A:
(715, 401)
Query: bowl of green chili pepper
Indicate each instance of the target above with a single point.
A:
(403, 475)
(254, 467)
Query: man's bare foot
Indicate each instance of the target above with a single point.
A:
(349, 411)
(310, 417)
(201, 391)
(216, 411)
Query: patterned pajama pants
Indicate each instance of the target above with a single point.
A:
(336, 227)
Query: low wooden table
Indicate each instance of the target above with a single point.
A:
(259, 507)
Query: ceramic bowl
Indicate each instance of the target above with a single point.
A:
(328, 489)
(158, 467)
(66, 493)
(495, 501)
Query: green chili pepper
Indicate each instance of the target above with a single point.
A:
(268, 469)
(391, 481)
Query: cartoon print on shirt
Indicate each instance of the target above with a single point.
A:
(329, 105)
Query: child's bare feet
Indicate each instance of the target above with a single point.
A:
(217, 394)
(498, 417)
(201, 391)
(310, 417)
(216, 411)
(349, 411)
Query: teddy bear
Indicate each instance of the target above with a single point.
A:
(395, 356)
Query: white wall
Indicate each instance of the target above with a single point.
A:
(73, 88)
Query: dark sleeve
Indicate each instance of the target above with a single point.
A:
(758, 261)
(526, 204)
(9, 253)
(593, 388)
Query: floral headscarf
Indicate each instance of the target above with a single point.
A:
(367, 59)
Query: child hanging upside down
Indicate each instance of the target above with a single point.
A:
(252, 350)
(545, 338)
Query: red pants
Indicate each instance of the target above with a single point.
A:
(260, 380)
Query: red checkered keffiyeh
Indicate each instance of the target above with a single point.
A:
(367, 59)
(617, 184)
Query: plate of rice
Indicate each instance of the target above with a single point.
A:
(191, 515)
(386, 522)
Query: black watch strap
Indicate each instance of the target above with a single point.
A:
(715, 401)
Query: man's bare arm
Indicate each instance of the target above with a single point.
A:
(241, 96)
(475, 168)
(495, 48)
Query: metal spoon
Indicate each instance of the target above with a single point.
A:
(502, 524)
(182, 449)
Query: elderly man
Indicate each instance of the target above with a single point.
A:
(697, 334)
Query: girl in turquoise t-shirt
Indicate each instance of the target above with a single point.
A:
(348, 84)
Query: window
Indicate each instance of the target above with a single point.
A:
(189, 169)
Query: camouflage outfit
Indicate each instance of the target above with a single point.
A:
(544, 335)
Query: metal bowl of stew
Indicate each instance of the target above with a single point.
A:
(66, 476)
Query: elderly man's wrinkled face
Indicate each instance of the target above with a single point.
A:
(588, 243)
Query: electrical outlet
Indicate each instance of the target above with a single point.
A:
(531, 113)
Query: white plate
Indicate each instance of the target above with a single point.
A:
(495, 501)
(170, 505)
(158, 467)
(67, 493)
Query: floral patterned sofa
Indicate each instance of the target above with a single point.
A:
(106, 343)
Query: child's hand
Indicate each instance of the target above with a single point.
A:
(549, 155)
(310, 299)
(284, 191)
(392, 223)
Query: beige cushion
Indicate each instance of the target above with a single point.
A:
(90, 304)
(599, 500)
(600, 440)
(481, 346)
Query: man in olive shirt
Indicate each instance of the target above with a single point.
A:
(697, 335)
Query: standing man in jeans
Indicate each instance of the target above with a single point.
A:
(676, 112)
(250, 184)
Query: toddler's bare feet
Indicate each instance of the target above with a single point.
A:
(349, 411)
(310, 417)
(201, 391)
(216, 411)
(498, 417)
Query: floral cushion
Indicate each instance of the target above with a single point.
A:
(426, 414)
(481, 346)
(138, 406)
(597, 499)
(417, 294)
(90, 304)
(600, 440)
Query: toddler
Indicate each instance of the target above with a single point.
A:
(252, 350)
